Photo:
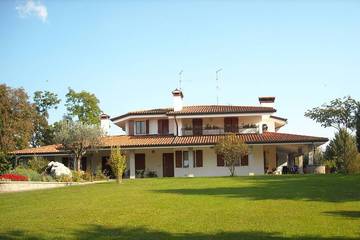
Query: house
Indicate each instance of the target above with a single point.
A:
(179, 141)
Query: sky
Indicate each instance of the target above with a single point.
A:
(129, 53)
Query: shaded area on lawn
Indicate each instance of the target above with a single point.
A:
(347, 214)
(102, 232)
(334, 188)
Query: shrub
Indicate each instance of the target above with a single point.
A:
(77, 176)
(151, 174)
(86, 176)
(64, 178)
(13, 177)
(118, 163)
(31, 174)
(47, 178)
(38, 164)
(100, 176)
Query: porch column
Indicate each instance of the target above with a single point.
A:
(132, 164)
(301, 164)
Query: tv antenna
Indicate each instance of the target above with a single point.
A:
(180, 78)
(217, 85)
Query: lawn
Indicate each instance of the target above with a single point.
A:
(266, 207)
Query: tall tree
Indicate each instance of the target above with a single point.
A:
(44, 133)
(339, 113)
(16, 114)
(84, 106)
(232, 149)
(358, 128)
(342, 149)
(78, 138)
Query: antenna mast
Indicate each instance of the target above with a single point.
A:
(217, 85)
(180, 78)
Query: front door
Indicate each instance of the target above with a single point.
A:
(168, 164)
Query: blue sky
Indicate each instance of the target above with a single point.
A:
(129, 53)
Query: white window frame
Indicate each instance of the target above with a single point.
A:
(185, 153)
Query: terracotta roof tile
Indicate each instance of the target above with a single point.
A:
(153, 141)
(220, 109)
(200, 109)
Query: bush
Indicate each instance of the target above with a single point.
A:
(47, 178)
(151, 174)
(31, 174)
(64, 178)
(13, 177)
(86, 176)
(38, 164)
(100, 176)
(5, 163)
(77, 176)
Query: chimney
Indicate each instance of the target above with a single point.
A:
(105, 123)
(177, 99)
(267, 101)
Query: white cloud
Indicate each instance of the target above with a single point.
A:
(31, 8)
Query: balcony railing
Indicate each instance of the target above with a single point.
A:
(217, 131)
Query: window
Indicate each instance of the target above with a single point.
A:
(140, 127)
(245, 160)
(185, 159)
(198, 158)
(178, 159)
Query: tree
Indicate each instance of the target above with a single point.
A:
(358, 128)
(44, 133)
(78, 138)
(5, 163)
(118, 163)
(342, 149)
(232, 149)
(16, 114)
(339, 113)
(84, 106)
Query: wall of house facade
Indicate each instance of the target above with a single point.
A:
(153, 162)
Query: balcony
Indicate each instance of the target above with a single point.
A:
(189, 131)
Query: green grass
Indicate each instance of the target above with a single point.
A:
(267, 207)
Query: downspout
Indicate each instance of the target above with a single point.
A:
(177, 127)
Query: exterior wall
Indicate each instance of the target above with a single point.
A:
(153, 162)
(212, 121)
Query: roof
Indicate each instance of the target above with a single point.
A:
(170, 140)
(279, 118)
(200, 109)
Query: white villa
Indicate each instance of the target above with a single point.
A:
(179, 141)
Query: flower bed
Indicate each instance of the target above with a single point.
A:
(13, 177)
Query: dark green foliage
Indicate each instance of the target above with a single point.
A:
(5, 163)
(342, 149)
(358, 128)
(44, 133)
(38, 164)
(84, 106)
(339, 113)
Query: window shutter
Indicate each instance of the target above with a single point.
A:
(160, 127)
(131, 127)
(245, 160)
(220, 160)
(178, 159)
(166, 126)
(199, 158)
(147, 126)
